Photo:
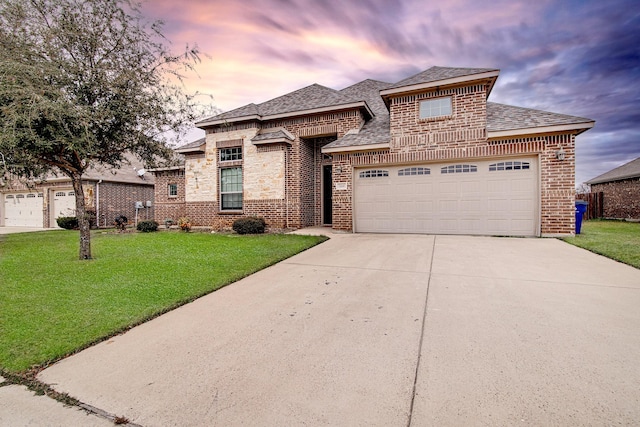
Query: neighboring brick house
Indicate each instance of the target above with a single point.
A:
(428, 154)
(620, 188)
(108, 194)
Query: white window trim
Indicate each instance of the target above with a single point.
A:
(434, 100)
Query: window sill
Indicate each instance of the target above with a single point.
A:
(434, 119)
(230, 212)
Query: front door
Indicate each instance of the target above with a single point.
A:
(327, 184)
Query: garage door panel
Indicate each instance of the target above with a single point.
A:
(483, 197)
(23, 210)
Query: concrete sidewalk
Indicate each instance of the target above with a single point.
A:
(517, 331)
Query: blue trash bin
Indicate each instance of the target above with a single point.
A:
(581, 208)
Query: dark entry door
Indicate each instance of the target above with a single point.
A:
(327, 184)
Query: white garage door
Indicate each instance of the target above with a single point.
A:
(64, 204)
(23, 210)
(498, 197)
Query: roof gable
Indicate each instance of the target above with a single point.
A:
(626, 171)
(435, 74)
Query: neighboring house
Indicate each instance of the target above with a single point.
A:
(427, 154)
(620, 188)
(108, 194)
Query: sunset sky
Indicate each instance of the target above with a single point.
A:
(574, 57)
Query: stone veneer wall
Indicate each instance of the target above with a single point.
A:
(281, 182)
(621, 198)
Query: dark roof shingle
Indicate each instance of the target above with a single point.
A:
(626, 171)
(502, 117)
(435, 74)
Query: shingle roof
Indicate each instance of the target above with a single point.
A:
(127, 173)
(279, 134)
(434, 74)
(626, 171)
(307, 98)
(376, 130)
(502, 117)
(194, 144)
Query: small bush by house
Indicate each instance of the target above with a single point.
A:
(249, 225)
(67, 222)
(184, 224)
(147, 226)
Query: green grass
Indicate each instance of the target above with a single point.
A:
(52, 305)
(617, 240)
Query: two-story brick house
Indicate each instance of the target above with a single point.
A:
(428, 154)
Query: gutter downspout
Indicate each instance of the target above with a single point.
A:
(98, 205)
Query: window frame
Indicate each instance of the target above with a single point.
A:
(233, 154)
(223, 193)
(171, 186)
(430, 102)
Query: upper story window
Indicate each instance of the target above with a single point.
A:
(230, 154)
(173, 190)
(438, 107)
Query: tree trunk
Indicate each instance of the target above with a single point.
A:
(83, 218)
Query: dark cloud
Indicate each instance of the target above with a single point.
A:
(578, 57)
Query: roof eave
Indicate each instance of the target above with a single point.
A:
(206, 123)
(273, 141)
(193, 150)
(577, 127)
(169, 168)
(361, 104)
(351, 148)
(618, 178)
(492, 75)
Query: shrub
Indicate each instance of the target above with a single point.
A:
(120, 222)
(249, 225)
(184, 224)
(147, 226)
(67, 222)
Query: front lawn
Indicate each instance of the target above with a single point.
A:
(619, 240)
(51, 304)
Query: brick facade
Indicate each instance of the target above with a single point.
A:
(464, 136)
(166, 206)
(621, 199)
(283, 181)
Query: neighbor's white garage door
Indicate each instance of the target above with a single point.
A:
(498, 197)
(23, 210)
(64, 204)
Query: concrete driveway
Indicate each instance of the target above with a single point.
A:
(386, 330)
(13, 230)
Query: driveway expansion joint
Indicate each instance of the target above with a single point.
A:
(422, 330)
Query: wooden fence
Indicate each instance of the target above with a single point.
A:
(596, 204)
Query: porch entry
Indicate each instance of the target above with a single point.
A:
(327, 191)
